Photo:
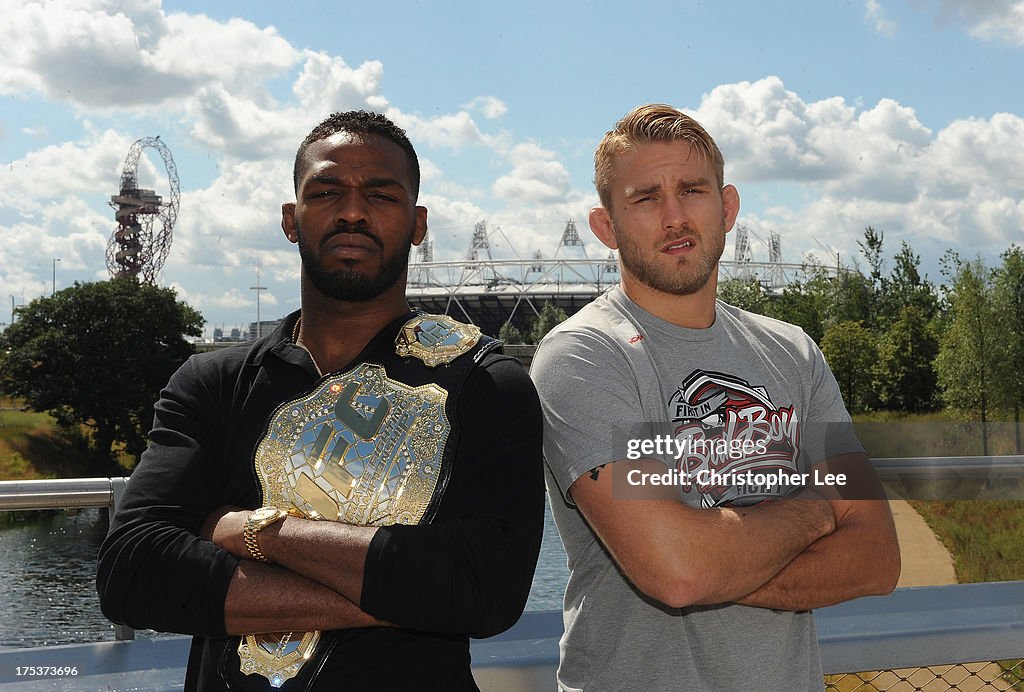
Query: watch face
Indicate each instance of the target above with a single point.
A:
(264, 514)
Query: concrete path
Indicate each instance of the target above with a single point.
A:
(926, 562)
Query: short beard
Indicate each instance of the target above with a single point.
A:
(689, 279)
(347, 284)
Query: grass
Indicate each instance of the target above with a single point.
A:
(983, 536)
(33, 446)
(943, 433)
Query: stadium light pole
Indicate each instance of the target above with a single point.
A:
(53, 285)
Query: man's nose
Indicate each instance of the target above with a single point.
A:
(351, 208)
(673, 213)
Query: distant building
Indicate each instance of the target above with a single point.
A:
(258, 329)
(234, 336)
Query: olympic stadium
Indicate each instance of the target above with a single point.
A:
(490, 291)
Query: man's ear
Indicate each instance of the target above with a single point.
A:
(288, 222)
(420, 232)
(730, 206)
(601, 225)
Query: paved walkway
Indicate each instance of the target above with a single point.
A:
(926, 562)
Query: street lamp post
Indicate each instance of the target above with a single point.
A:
(258, 288)
(53, 286)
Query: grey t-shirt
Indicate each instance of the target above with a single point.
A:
(613, 373)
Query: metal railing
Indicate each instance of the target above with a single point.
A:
(925, 638)
(63, 493)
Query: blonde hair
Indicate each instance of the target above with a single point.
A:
(654, 122)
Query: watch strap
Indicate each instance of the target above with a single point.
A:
(258, 520)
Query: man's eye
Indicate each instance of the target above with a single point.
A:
(382, 197)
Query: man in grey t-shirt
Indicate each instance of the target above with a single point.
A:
(674, 427)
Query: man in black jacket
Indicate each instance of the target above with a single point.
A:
(395, 459)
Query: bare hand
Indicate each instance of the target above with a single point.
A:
(224, 526)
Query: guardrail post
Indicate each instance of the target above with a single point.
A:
(117, 486)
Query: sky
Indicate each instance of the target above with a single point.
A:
(905, 115)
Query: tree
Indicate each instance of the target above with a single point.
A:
(803, 303)
(746, 294)
(850, 351)
(853, 300)
(905, 372)
(909, 288)
(1008, 300)
(510, 334)
(968, 352)
(98, 354)
(876, 282)
(871, 248)
(550, 317)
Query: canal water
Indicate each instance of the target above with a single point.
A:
(48, 571)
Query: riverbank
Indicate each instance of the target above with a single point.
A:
(33, 445)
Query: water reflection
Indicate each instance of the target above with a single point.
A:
(47, 567)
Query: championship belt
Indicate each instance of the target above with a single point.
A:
(361, 449)
(436, 339)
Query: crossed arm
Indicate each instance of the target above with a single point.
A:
(315, 581)
(789, 555)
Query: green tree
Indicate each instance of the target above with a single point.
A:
(905, 372)
(850, 351)
(1008, 300)
(803, 303)
(550, 317)
(98, 354)
(908, 288)
(510, 334)
(876, 283)
(853, 299)
(968, 353)
(746, 294)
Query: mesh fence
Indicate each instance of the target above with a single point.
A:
(966, 677)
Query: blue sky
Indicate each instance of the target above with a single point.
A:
(903, 114)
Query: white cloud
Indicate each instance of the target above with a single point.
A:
(991, 20)
(876, 15)
(536, 177)
(327, 84)
(59, 170)
(241, 128)
(68, 229)
(488, 106)
(107, 55)
(767, 132)
(451, 131)
(211, 79)
(876, 165)
(236, 219)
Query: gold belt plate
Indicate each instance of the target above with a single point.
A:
(361, 449)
